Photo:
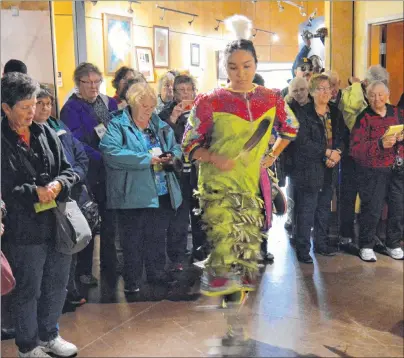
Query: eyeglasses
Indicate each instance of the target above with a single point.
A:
(323, 89)
(184, 90)
(152, 136)
(43, 104)
(306, 68)
(91, 83)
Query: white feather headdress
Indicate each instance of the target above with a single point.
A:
(240, 26)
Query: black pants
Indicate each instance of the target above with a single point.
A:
(108, 258)
(313, 209)
(143, 233)
(349, 191)
(177, 233)
(85, 260)
(376, 186)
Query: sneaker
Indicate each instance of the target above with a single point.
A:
(131, 289)
(177, 268)
(88, 280)
(396, 254)
(325, 251)
(75, 298)
(212, 285)
(345, 240)
(304, 257)
(36, 352)
(59, 347)
(367, 255)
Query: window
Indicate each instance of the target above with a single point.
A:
(276, 75)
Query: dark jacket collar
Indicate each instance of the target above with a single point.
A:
(35, 129)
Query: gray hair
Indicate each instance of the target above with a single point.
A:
(164, 78)
(16, 87)
(373, 84)
(292, 84)
(84, 69)
(332, 74)
(377, 73)
(45, 92)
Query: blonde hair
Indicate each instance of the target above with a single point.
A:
(315, 81)
(139, 91)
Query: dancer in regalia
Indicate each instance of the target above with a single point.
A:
(228, 133)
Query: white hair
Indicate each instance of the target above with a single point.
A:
(240, 26)
(377, 73)
(373, 84)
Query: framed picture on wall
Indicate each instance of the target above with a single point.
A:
(117, 42)
(144, 60)
(220, 70)
(161, 46)
(195, 55)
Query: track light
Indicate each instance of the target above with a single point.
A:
(280, 6)
(162, 15)
(191, 21)
(218, 24)
(255, 34)
(301, 9)
(130, 10)
(94, 2)
(275, 37)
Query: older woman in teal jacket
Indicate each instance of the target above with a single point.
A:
(139, 150)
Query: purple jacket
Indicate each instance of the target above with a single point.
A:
(81, 119)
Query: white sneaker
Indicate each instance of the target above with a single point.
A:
(59, 347)
(36, 352)
(396, 254)
(367, 255)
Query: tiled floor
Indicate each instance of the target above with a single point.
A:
(338, 307)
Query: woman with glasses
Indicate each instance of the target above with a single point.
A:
(87, 114)
(379, 162)
(165, 90)
(138, 150)
(40, 271)
(77, 157)
(317, 152)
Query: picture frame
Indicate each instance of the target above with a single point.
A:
(195, 54)
(220, 70)
(117, 39)
(161, 39)
(144, 61)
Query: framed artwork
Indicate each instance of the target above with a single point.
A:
(220, 70)
(195, 55)
(161, 46)
(144, 59)
(117, 42)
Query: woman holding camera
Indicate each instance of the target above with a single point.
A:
(140, 154)
(380, 171)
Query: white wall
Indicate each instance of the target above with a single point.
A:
(27, 37)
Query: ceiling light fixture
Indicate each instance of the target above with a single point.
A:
(218, 24)
(302, 9)
(275, 37)
(280, 6)
(164, 9)
(94, 2)
(130, 10)
(255, 34)
(162, 15)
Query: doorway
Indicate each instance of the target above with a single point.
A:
(386, 43)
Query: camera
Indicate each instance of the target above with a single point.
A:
(321, 32)
(173, 165)
(398, 165)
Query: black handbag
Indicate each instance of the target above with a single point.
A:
(89, 208)
(73, 232)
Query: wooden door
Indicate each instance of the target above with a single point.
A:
(374, 42)
(395, 59)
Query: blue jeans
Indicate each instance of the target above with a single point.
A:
(41, 275)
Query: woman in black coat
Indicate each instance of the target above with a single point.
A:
(41, 272)
(317, 151)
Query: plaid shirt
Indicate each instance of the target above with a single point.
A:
(369, 128)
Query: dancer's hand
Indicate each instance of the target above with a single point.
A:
(221, 162)
(268, 161)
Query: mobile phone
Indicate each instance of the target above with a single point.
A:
(187, 105)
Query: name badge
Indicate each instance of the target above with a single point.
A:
(60, 132)
(100, 130)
